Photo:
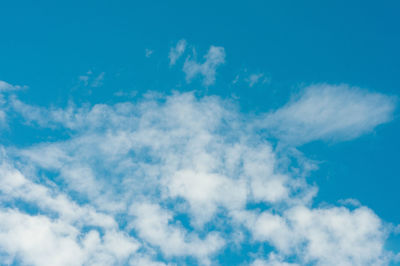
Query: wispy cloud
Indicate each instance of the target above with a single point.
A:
(6, 87)
(251, 79)
(214, 58)
(176, 52)
(148, 52)
(92, 81)
(330, 112)
(256, 78)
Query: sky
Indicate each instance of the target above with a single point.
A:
(199, 133)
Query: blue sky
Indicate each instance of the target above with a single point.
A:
(208, 133)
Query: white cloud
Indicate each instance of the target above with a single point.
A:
(39, 240)
(350, 202)
(146, 261)
(134, 169)
(5, 87)
(255, 78)
(98, 81)
(57, 235)
(14, 186)
(330, 113)
(92, 81)
(205, 192)
(214, 57)
(330, 236)
(153, 225)
(176, 52)
(251, 79)
(273, 260)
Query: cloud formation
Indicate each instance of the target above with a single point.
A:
(182, 179)
(330, 112)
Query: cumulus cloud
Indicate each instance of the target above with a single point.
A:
(178, 178)
(55, 233)
(176, 52)
(39, 240)
(329, 112)
(214, 57)
(153, 225)
(330, 236)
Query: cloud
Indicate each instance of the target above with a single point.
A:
(204, 192)
(98, 81)
(129, 94)
(256, 78)
(329, 236)
(148, 52)
(6, 87)
(236, 79)
(55, 235)
(329, 112)
(214, 57)
(251, 79)
(39, 240)
(153, 225)
(273, 260)
(174, 179)
(92, 81)
(16, 187)
(176, 52)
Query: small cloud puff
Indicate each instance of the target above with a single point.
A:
(256, 78)
(214, 58)
(148, 52)
(89, 80)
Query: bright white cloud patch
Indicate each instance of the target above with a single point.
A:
(331, 113)
(181, 179)
(331, 236)
(39, 240)
(214, 57)
(154, 225)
